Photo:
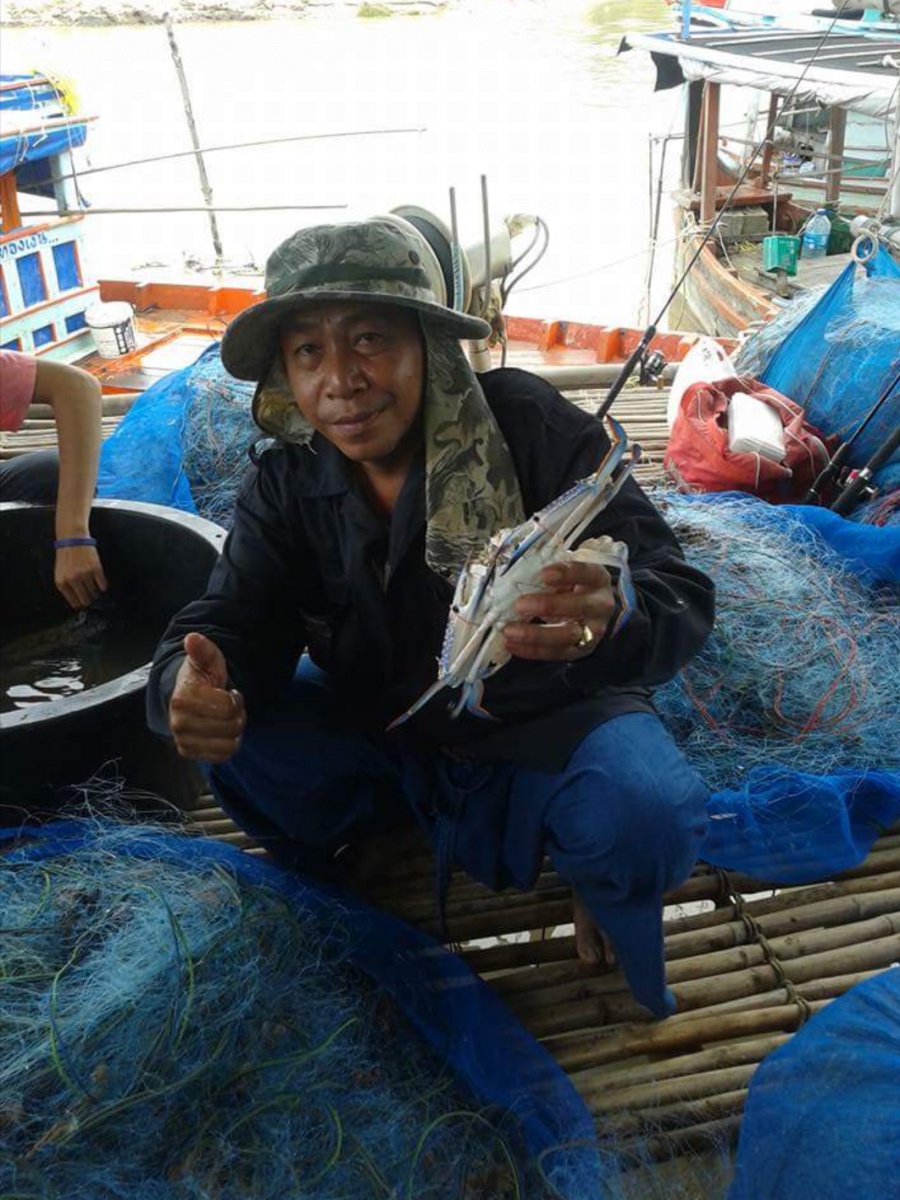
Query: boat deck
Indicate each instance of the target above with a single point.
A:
(815, 273)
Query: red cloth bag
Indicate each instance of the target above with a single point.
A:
(698, 459)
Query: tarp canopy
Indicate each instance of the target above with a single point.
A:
(851, 70)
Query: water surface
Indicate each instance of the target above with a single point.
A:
(40, 664)
(530, 92)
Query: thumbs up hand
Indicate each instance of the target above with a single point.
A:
(207, 718)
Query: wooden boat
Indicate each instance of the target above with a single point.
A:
(811, 159)
(794, 14)
(44, 290)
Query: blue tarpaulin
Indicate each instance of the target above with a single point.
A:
(822, 1120)
(839, 358)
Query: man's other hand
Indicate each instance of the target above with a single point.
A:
(206, 717)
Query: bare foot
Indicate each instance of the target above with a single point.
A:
(593, 946)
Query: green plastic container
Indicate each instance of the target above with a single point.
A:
(840, 239)
(780, 252)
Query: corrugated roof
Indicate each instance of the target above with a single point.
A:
(840, 51)
(858, 71)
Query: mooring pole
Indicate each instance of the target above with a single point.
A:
(198, 155)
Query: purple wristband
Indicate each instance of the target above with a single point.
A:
(65, 543)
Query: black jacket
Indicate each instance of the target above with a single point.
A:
(308, 565)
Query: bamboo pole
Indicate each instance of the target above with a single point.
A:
(40, 425)
(683, 1033)
(704, 953)
(464, 890)
(503, 920)
(195, 141)
(673, 1091)
(234, 839)
(520, 955)
(668, 1118)
(876, 862)
(700, 155)
(494, 914)
(716, 1135)
(478, 904)
(157, 210)
(800, 942)
(202, 816)
(786, 901)
(737, 984)
(587, 1006)
(720, 1057)
(297, 137)
(216, 829)
(111, 406)
(817, 989)
(786, 949)
(565, 982)
(600, 1009)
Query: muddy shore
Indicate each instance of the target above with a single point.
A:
(151, 12)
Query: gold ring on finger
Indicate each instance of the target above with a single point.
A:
(587, 637)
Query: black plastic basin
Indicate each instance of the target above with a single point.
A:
(156, 560)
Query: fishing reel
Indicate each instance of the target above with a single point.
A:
(651, 368)
(476, 279)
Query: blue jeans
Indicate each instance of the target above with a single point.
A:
(30, 478)
(622, 822)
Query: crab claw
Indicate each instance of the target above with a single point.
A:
(420, 703)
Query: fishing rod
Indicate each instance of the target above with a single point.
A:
(194, 208)
(640, 350)
(835, 464)
(861, 481)
(299, 137)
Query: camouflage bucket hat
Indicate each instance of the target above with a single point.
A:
(384, 260)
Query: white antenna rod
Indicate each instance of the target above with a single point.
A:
(894, 201)
(456, 300)
(486, 303)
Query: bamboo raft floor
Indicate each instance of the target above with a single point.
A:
(749, 963)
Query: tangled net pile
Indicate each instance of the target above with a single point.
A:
(803, 666)
(218, 430)
(172, 1031)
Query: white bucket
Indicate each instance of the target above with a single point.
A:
(112, 324)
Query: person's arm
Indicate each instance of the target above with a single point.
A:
(75, 398)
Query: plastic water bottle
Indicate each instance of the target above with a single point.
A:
(816, 234)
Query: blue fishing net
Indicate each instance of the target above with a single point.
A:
(184, 443)
(836, 355)
(883, 510)
(822, 1120)
(183, 1021)
(789, 712)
